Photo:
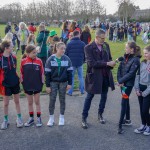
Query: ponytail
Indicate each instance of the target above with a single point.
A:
(54, 51)
(138, 51)
(24, 56)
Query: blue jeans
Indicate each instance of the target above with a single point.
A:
(102, 103)
(80, 77)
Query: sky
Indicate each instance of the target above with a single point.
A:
(110, 5)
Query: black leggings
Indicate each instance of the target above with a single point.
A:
(23, 47)
(144, 103)
(125, 107)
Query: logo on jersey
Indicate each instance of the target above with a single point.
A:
(37, 68)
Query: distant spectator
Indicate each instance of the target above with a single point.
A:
(32, 28)
(65, 32)
(86, 35)
(8, 28)
(41, 42)
(23, 35)
(16, 28)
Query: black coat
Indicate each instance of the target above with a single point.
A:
(95, 65)
(127, 70)
(85, 37)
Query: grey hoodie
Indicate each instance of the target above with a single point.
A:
(143, 77)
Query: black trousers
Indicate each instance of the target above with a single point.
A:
(125, 107)
(89, 97)
(23, 47)
(144, 103)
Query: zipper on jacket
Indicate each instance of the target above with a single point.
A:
(9, 64)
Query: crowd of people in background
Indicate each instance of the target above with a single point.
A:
(129, 32)
(58, 58)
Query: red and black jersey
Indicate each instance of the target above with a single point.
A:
(8, 75)
(32, 74)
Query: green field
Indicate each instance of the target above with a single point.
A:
(117, 50)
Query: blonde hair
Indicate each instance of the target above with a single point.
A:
(57, 45)
(8, 36)
(23, 25)
(41, 27)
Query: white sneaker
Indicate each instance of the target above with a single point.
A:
(51, 121)
(19, 123)
(61, 120)
(147, 131)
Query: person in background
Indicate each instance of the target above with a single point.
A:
(16, 28)
(86, 35)
(126, 31)
(32, 28)
(65, 32)
(121, 34)
(23, 35)
(8, 28)
(115, 35)
(130, 33)
(51, 50)
(41, 42)
(50, 37)
(111, 31)
(134, 32)
(75, 51)
(31, 39)
(70, 37)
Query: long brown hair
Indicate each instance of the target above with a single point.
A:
(73, 26)
(64, 26)
(86, 28)
(29, 49)
(3, 45)
(30, 38)
(134, 46)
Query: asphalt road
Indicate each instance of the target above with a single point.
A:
(72, 136)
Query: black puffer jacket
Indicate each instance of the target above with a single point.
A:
(127, 70)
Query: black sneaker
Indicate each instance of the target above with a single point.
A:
(101, 119)
(128, 123)
(120, 131)
(84, 124)
(147, 131)
(29, 122)
(141, 129)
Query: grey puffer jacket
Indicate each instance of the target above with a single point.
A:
(143, 78)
